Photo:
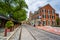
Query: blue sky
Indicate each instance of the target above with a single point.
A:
(33, 5)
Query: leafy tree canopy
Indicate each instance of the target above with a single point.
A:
(14, 7)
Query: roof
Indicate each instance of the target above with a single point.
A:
(6, 18)
(47, 5)
(57, 13)
(3, 17)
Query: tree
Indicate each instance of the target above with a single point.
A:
(9, 24)
(20, 10)
(14, 7)
(57, 21)
(20, 15)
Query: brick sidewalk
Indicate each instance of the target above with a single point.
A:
(50, 29)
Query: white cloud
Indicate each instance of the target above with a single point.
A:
(34, 4)
(56, 5)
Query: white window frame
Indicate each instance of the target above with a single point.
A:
(44, 11)
(48, 12)
(45, 22)
(49, 16)
(53, 12)
(53, 17)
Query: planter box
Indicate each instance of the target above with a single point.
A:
(8, 30)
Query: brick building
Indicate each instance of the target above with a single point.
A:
(45, 16)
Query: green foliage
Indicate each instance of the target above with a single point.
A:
(20, 15)
(9, 24)
(57, 21)
(15, 7)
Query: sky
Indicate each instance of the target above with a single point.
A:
(33, 5)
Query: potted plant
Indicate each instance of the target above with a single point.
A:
(8, 26)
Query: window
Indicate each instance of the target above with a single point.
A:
(37, 17)
(42, 10)
(45, 10)
(49, 16)
(44, 16)
(44, 23)
(52, 11)
(48, 22)
(48, 12)
(53, 17)
(39, 22)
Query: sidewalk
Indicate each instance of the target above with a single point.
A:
(14, 35)
(1, 32)
(50, 29)
(26, 35)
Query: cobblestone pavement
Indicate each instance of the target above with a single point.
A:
(40, 34)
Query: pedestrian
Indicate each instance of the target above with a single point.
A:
(34, 25)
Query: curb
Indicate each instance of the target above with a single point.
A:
(20, 33)
(48, 31)
(12, 33)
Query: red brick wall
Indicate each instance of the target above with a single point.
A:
(47, 7)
